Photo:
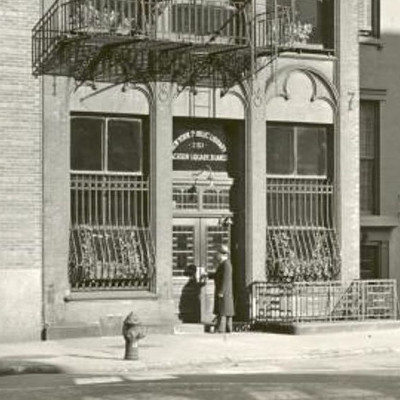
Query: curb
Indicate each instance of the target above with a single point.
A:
(24, 367)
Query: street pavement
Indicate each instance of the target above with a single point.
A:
(191, 353)
(201, 387)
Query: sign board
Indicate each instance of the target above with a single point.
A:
(198, 149)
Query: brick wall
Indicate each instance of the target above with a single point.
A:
(379, 76)
(20, 173)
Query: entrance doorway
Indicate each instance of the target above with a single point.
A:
(194, 245)
(208, 204)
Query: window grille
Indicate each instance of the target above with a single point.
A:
(301, 237)
(110, 240)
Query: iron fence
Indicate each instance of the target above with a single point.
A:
(110, 241)
(361, 300)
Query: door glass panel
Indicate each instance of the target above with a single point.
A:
(214, 199)
(182, 248)
(185, 198)
(369, 262)
(216, 235)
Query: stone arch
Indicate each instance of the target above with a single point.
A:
(229, 104)
(237, 94)
(303, 93)
(124, 98)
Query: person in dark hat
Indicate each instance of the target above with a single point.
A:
(223, 297)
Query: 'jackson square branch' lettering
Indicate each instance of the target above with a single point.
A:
(200, 157)
(199, 135)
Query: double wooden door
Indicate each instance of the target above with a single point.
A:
(194, 246)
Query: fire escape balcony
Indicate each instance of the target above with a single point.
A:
(211, 43)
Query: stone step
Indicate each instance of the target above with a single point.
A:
(69, 331)
(309, 328)
(189, 329)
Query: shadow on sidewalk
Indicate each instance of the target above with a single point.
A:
(25, 365)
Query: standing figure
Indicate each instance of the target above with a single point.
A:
(223, 297)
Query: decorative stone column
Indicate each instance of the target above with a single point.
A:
(347, 137)
(56, 208)
(161, 185)
(256, 183)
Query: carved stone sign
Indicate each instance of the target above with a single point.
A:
(196, 149)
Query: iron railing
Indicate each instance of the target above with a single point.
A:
(190, 42)
(301, 236)
(198, 21)
(361, 300)
(170, 19)
(110, 241)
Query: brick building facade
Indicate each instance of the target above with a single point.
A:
(103, 228)
(21, 187)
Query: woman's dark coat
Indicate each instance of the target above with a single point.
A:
(223, 305)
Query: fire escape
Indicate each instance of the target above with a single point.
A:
(203, 43)
(191, 43)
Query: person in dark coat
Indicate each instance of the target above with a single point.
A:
(223, 297)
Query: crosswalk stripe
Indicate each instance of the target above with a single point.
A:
(98, 380)
(148, 378)
(246, 370)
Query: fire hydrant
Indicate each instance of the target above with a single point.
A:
(132, 331)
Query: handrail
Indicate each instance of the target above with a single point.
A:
(332, 301)
(51, 10)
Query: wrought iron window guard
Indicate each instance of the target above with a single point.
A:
(301, 236)
(110, 240)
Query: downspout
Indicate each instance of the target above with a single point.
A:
(44, 309)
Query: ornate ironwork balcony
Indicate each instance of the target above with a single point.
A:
(190, 42)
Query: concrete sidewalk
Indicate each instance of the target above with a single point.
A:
(104, 355)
